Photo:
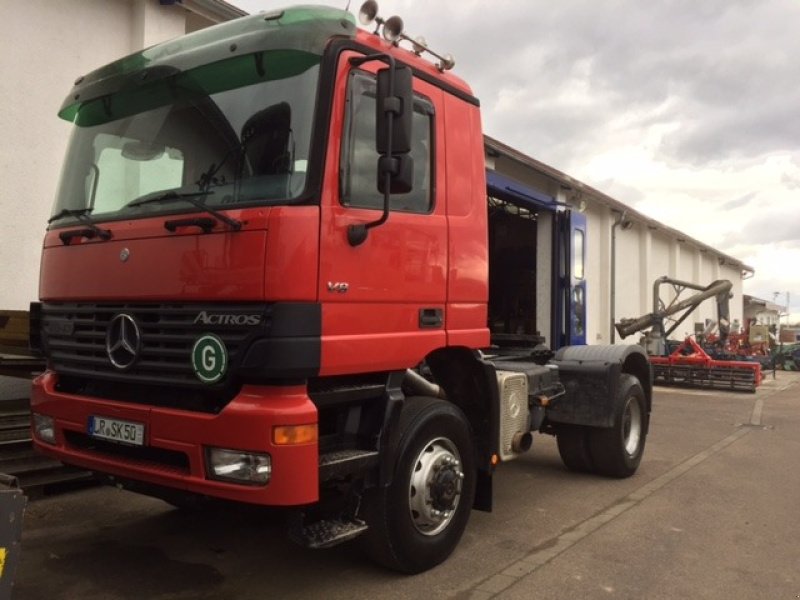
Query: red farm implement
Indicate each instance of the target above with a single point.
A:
(689, 365)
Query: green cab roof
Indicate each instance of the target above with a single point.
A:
(304, 28)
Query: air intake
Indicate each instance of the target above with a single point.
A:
(514, 413)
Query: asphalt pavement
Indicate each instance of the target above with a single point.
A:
(711, 513)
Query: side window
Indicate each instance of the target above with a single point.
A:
(577, 254)
(359, 163)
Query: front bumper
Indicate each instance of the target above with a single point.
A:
(175, 441)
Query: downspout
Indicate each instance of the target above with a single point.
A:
(621, 220)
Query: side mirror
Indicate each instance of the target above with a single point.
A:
(394, 98)
(401, 174)
(394, 102)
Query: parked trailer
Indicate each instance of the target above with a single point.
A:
(272, 276)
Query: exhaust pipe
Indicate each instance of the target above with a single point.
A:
(423, 387)
(522, 441)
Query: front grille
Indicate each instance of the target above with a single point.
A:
(74, 338)
(160, 458)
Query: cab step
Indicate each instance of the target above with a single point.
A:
(325, 533)
(341, 463)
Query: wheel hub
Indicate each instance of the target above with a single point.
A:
(631, 426)
(445, 487)
(435, 486)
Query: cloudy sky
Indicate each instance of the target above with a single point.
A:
(688, 111)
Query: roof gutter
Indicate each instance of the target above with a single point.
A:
(217, 11)
(613, 204)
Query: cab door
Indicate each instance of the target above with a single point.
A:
(569, 279)
(577, 329)
(383, 301)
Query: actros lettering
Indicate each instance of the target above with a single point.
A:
(223, 319)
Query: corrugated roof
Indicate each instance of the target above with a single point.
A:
(748, 299)
(218, 8)
(571, 183)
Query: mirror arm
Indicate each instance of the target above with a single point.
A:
(357, 232)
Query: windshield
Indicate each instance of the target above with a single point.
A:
(238, 131)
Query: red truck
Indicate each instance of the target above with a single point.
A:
(272, 276)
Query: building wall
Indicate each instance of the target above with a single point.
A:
(644, 252)
(644, 255)
(44, 47)
(598, 300)
(763, 315)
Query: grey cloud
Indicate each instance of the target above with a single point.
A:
(724, 134)
(790, 182)
(627, 194)
(726, 71)
(765, 289)
(730, 68)
(769, 227)
(739, 202)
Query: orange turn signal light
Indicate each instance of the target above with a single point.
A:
(495, 460)
(293, 435)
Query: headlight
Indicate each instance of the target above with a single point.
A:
(240, 467)
(44, 428)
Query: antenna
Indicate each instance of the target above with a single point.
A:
(347, 7)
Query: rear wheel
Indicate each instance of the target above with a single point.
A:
(417, 521)
(617, 451)
(573, 446)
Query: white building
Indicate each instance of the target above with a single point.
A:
(63, 40)
(645, 250)
(763, 312)
(44, 46)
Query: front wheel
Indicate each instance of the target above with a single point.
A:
(416, 522)
(617, 451)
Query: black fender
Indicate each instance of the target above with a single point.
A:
(590, 375)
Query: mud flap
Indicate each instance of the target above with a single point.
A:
(12, 508)
(590, 375)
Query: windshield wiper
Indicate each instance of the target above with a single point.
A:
(82, 214)
(193, 199)
(68, 212)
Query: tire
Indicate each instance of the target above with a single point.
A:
(617, 451)
(434, 458)
(573, 446)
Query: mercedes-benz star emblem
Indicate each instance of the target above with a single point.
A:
(123, 341)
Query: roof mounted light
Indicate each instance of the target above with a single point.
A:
(446, 62)
(419, 44)
(393, 33)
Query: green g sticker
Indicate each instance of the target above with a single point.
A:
(209, 358)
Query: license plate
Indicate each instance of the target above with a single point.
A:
(124, 432)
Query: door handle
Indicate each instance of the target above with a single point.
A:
(430, 318)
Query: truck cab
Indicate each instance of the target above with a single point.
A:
(266, 279)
